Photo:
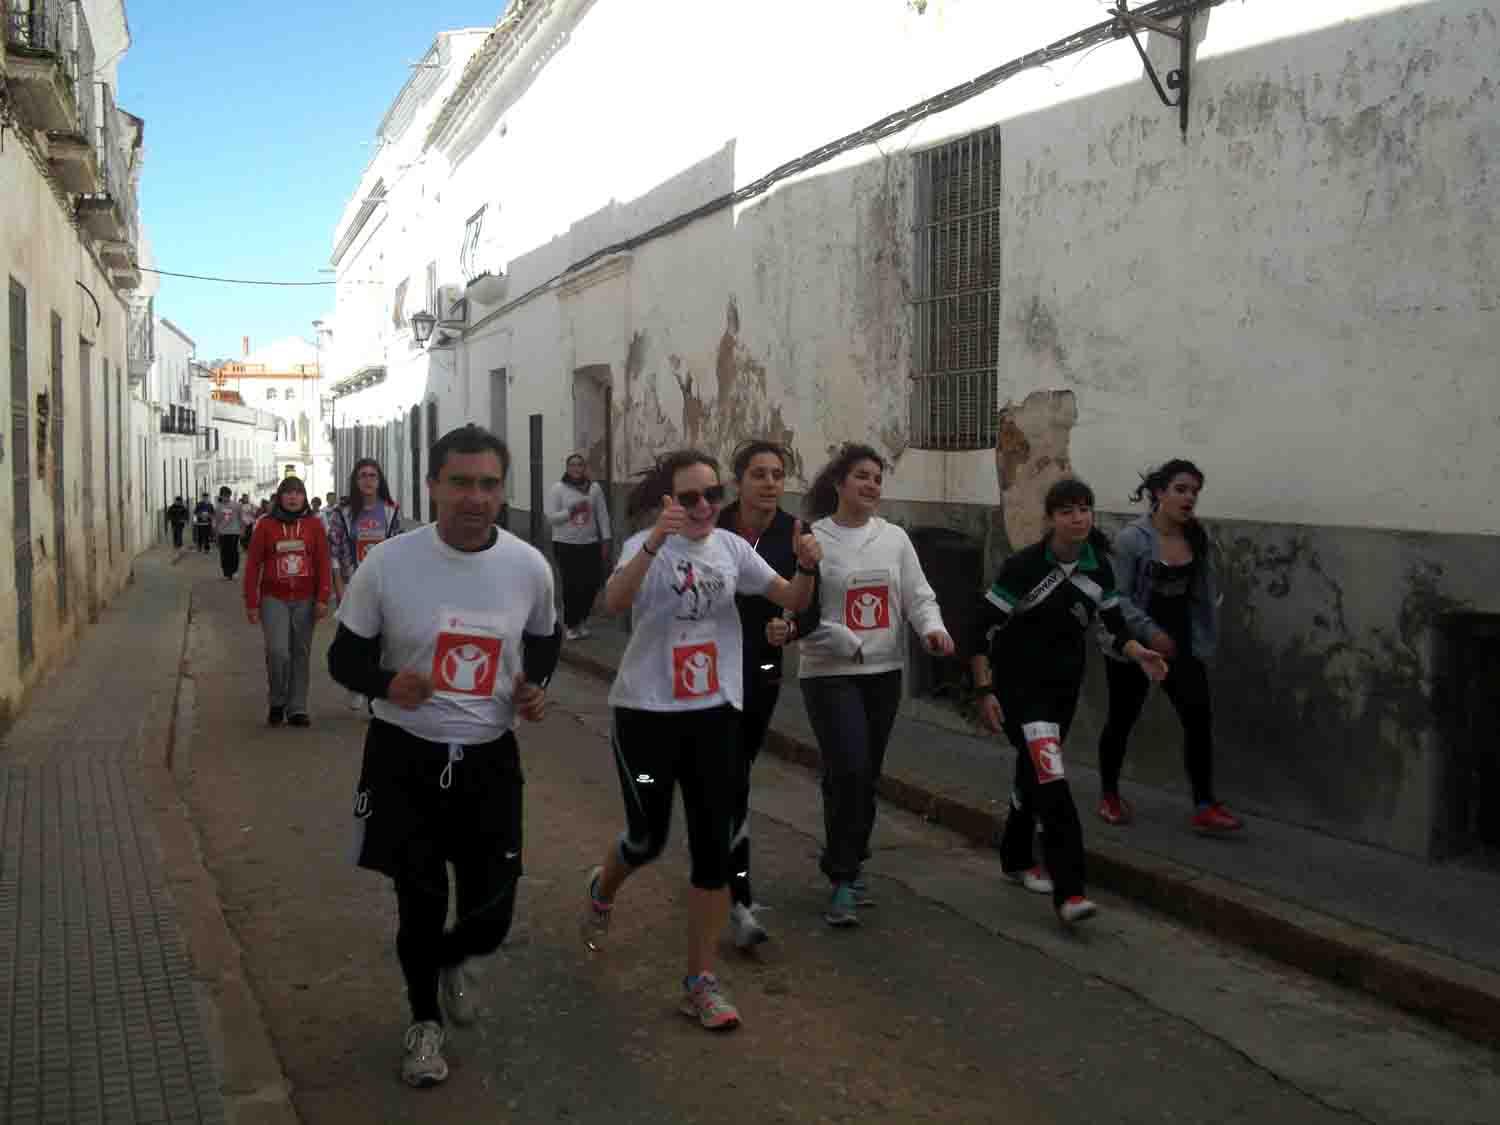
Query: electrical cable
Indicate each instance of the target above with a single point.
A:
(1085, 40)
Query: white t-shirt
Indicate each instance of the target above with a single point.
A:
(457, 617)
(685, 642)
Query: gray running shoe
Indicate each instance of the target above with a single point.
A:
(595, 925)
(423, 1065)
(459, 997)
(744, 928)
(842, 910)
(861, 891)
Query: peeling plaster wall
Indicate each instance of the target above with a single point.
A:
(40, 249)
(1301, 295)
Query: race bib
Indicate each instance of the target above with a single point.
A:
(579, 514)
(695, 663)
(867, 602)
(291, 558)
(466, 657)
(1044, 744)
(366, 540)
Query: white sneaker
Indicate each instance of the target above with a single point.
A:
(1033, 879)
(745, 929)
(459, 997)
(583, 632)
(424, 1065)
(1076, 909)
(357, 702)
(570, 634)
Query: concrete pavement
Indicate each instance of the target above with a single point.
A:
(1425, 937)
(958, 999)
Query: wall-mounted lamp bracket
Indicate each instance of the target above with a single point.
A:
(1177, 79)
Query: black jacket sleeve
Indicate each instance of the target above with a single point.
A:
(354, 661)
(539, 655)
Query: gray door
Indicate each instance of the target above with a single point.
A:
(109, 469)
(86, 414)
(500, 404)
(537, 522)
(591, 417)
(59, 472)
(20, 460)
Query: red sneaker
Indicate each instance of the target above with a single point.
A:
(1214, 820)
(1113, 810)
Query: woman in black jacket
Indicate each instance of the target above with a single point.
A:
(760, 479)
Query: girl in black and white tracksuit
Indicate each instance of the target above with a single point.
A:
(756, 516)
(870, 585)
(677, 699)
(1029, 659)
(579, 517)
(1164, 570)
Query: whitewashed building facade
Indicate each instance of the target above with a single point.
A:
(706, 222)
(69, 230)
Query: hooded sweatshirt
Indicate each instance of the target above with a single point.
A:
(577, 512)
(870, 584)
(287, 559)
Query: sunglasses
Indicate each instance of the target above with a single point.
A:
(714, 494)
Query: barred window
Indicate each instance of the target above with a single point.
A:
(432, 290)
(398, 306)
(468, 257)
(956, 294)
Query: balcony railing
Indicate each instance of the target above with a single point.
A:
(141, 342)
(49, 65)
(110, 214)
(36, 27)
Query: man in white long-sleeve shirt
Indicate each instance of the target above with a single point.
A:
(579, 515)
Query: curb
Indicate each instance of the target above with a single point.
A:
(252, 1082)
(1462, 998)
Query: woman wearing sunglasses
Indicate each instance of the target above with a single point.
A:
(871, 584)
(677, 700)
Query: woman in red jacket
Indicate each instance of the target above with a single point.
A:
(287, 583)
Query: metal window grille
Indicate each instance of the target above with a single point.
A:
(956, 302)
(468, 257)
(432, 290)
(398, 306)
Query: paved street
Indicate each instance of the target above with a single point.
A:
(958, 1000)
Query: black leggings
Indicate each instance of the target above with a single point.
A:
(229, 554)
(655, 751)
(486, 904)
(755, 720)
(203, 536)
(177, 529)
(580, 564)
(1048, 802)
(852, 717)
(1186, 686)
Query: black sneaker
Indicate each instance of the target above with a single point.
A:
(300, 720)
(276, 717)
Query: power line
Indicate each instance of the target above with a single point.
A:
(229, 280)
(1085, 40)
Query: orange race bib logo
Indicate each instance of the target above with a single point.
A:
(293, 564)
(466, 663)
(867, 608)
(1044, 744)
(695, 670)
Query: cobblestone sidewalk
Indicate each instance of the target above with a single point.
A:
(98, 1021)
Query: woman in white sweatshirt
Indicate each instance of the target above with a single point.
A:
(852, 643)
(580, 539)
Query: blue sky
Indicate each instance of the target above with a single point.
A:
(255, 118)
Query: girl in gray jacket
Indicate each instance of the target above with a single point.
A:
(1164, 571)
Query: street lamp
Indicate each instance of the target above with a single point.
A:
(422, 324)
